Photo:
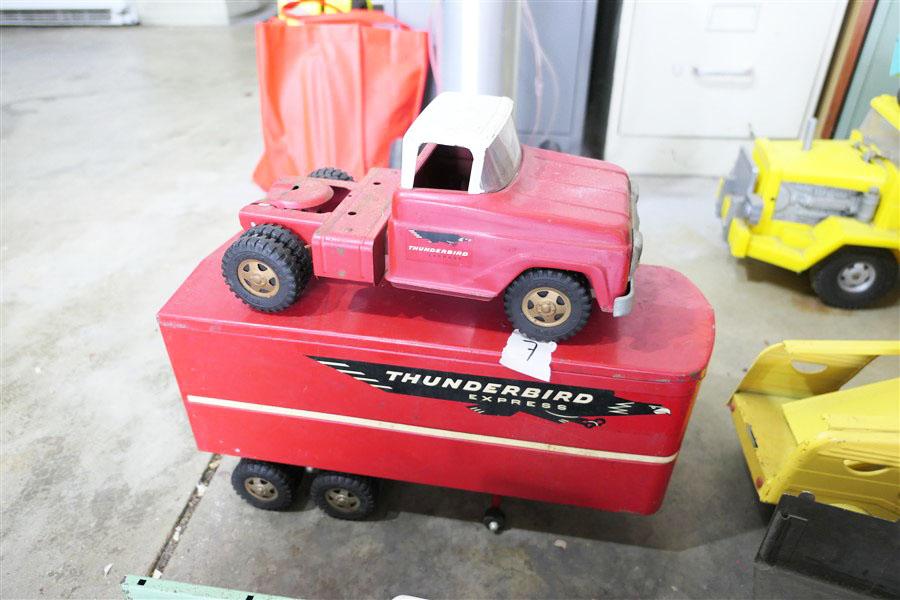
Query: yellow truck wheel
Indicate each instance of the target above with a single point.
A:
(854, 277)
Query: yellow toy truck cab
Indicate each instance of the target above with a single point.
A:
(801, 432)
(830, 207)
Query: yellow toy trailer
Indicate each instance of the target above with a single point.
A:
(801, 432)
(829, 207)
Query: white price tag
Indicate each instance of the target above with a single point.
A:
(528, 356)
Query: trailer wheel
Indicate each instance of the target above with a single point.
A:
(494, 519)
(331, 173)
(264, 273)
(854, 277)
(548, 305)
(265, 485)
(344, 496)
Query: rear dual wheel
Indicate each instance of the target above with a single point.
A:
(267, 267)
(331, 173)
(265, 485)
(271, 486)
(343, 496)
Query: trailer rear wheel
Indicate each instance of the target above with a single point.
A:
(343, 496)
(548, 305)
(265, 485)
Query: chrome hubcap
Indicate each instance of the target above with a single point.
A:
(258, 278)
(546, 307)
(260, 488)
(857, 277)
(342, 499)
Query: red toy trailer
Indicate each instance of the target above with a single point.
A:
(361, 382)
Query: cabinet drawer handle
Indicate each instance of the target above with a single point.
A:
(700, 72)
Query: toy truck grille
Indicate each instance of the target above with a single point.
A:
(739, 187)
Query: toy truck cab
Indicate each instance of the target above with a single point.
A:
(830, 207)
(472, 213)
(478, 215)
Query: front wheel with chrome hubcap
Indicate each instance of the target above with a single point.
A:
(265, 485)
(548, 305)
(344, 496)
(857, 277)
(854, 277)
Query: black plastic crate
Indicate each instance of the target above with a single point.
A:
(813, 550)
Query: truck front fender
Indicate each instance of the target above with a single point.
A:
(799, 247)
(596, 277)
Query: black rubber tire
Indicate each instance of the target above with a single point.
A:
(572, 285)
(283, 481)
(291, 267)
(824, 276)
(291, 241)
(331, 173)
(279, 233)
(362, 488)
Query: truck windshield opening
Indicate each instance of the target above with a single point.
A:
(443, 167)
(878, 131)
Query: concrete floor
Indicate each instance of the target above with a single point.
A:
(125, 157)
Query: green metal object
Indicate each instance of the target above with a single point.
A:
(147, 588)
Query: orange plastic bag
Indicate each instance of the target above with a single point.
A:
(336, 90)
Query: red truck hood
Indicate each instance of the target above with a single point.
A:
(583, 193)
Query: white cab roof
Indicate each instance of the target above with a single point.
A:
(455, 119)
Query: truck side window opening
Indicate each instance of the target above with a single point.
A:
(444, 168)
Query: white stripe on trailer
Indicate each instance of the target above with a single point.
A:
(384, 387)
(441, 433)
(367, 379)
(351, 372)
(333, 364)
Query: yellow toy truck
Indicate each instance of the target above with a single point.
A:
(829, 207)
(801, 432)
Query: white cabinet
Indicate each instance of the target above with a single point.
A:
(695, 79)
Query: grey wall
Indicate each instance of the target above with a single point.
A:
(566, 33)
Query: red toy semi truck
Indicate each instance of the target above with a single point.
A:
(471, 213)
(362, 383)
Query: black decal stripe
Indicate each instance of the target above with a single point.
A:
(496, 396)
(437, 237)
